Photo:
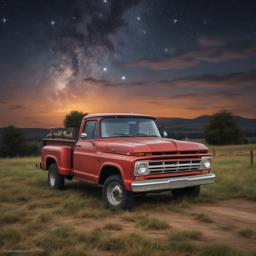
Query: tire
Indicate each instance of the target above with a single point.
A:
(115, 194)
(55, 180)
(191, 192)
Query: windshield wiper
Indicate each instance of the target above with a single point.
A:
(143, 134)
(121, 134)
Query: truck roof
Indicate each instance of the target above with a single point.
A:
(118, 115)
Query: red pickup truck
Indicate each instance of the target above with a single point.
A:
(126, 154)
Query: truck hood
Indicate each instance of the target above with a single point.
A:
(145, 145)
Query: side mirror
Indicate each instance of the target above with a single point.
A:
(83, 136)
(165, 134)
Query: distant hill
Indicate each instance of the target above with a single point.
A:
(33, 132)
(161, 122)
(200, 122)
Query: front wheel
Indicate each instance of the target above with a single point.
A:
(115, 194)
(55, 180)
(189, 192)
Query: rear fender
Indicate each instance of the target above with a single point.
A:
(62, 156)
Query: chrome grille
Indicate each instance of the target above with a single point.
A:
(173, 166)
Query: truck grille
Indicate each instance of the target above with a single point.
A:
(174, 166)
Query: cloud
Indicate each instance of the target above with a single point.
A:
(205, 95)
(15, 107)
(208, 80)
(183, 96)
(18, 67)
(210, 41)
(3, 102)
(230, 80)
(209, 49)
(104, 83)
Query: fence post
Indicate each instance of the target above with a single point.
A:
(213, 151)
(251, 154)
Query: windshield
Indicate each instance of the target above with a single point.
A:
(128, 127)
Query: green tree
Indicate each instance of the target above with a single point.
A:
(13, 142)
(223, 129)
(74, 119)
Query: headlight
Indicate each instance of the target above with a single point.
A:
(141, 168)
(206, 163)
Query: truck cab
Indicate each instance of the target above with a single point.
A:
(127, 155)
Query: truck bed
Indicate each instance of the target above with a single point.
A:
(59, 142)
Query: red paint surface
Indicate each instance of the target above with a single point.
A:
(87, 161)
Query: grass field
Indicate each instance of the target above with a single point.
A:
(38, 220)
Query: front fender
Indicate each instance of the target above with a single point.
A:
(127, 182)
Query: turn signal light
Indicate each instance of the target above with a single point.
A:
(141, 154)
(205, 172)
(139, 178)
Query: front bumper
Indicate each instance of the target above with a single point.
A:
(172, 183)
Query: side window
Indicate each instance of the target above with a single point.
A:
(91, 129)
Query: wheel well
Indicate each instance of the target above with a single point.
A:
(106, 172)
(50, 161)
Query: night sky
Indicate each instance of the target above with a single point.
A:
(163, 58)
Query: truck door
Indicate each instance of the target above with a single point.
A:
(84, 153)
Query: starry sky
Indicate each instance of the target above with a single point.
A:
(163, 58)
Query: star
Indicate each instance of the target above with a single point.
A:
(175, 21)
(105, 69)
(105, 1)
(166, 49)
(123, 77)
(52, 22)
(4, 20)
(138, 18)
(204, 21)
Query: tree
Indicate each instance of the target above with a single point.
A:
(13, 142)
(74, 119)
(223, 129)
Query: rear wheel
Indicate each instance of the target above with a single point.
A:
(189, 192)
(115, 194)
(55, 180)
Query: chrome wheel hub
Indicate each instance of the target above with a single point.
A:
(114, 193)
(52, 178)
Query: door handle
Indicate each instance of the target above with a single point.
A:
(78, 145)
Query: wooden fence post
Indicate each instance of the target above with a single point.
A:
(251, 154)
(213, 151)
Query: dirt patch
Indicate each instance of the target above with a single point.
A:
(229, 217)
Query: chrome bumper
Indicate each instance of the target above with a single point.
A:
(172, 182)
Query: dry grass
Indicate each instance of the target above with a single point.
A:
(152, 223)
(203, 217)
(247, 232)
(31, 213)
(113, 226)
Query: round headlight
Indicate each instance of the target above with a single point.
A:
(207, 163)
(142, 169)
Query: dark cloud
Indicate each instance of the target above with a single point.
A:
(231, 80)
(15, 107)
(183, 96)
(104, 83)
(3, 102)
(18, 67)
(204, 95)
(209, 50)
